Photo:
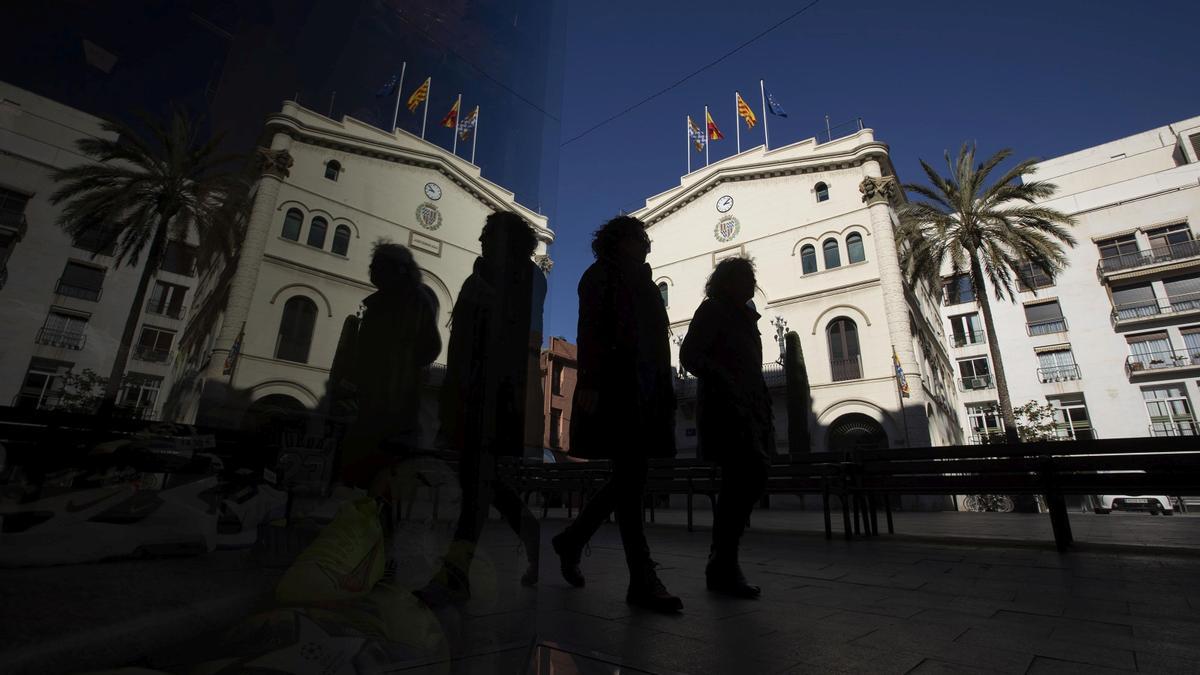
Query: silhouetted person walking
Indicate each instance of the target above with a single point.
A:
(494, 324)
(624, 404)
(723, 349)
(395, 339)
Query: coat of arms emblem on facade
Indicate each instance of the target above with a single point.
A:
(428, 216)
(727, 228)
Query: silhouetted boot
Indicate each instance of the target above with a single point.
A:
(647, 591)
(724, 575)
(448, 586)
(569, 553)
(530, 577)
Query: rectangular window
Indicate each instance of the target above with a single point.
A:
(1170, 411)
(154, 344)
(1134, 301)
(1150, 351)
(556, 379)
(1057, 365)
(63, 329)
(179, 258)
(1118, 252)
(1044, 317)
(12, 213)
(94, 240)
(1071, 419)
(985, 422)
(1165, 237)
(1031, 277)
(42, 384)
(80, 280)
(555, 428)
(975, 374)
(139, 394)
(1183, 293)
(957, 290)
(967, 329)
(166, 300)
(1191, 343)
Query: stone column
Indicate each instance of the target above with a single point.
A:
(275, 164)
(879, 192)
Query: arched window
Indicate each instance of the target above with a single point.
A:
(808, 259)
(663, 291)
(341, 240)
(292, 223)
(822, 191)
(316, 232)
(296, 329)
(830, 247)
(845, 360)
(333, 169)
(854, 248)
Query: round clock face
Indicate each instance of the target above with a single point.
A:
(433, 191)
(724, 203)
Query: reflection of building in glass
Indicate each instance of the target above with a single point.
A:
(559, 370)
(304, 263)
(1114, 344)
(65, 302)
(817, 219)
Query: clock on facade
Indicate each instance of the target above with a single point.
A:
(724, 203)
(433, 191)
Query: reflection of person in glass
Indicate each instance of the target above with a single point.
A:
(495, 323)
(624, 405)
(723, 349)
(397, 337)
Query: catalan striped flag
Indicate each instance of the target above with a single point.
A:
(419, 95)
(714, 134)
(450, 121)
(745, 112)
(696, 134)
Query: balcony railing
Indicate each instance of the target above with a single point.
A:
(1047, 326)
(1168, 359)
(1148, 309)
(152, 354)
(164, 310)
(846, 369)
(61, 338)
(14, 221)
(81, 292)
(988, 437)
(976, 383)
(1065, 373)
(1158, 254)
(1181, 428)
(975, 337)
(31, 401)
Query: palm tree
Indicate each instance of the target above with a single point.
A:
(995, 233)
(141, 192)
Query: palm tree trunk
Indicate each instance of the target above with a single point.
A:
(985, 307)
(117, 375)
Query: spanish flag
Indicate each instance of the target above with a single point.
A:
(746, 113)
(450, 121)
(714, 134)
(419, 95)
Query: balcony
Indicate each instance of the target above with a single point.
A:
(1181, 428)
(846, 369)
(975, 337)
(1169, 360)
(976, 383)
(1047, 326)
(1066, 373)
(151, 354)
(1161, 254)
(14, 222)
(164, 310)
(1149, 310)
(988, 437)
(64, 339)
(81, 292)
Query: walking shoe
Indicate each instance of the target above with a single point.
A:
(448, 586)
(530, 577)
(569, 555)
(648, 592)
(727, 578)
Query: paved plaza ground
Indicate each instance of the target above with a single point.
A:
(926, 600)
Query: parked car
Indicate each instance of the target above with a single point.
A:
(1153, 504)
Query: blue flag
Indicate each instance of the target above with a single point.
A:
(776, 109)
(389, 88)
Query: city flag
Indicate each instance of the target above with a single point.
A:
(450, 121)
(774, 107)
(745, 112)
(419, 95)
(697, 134)
(901, 381)
(234, 351)
(468, 123)
(389, 87)
(714, 134)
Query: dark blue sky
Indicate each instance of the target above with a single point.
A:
(1044, 78)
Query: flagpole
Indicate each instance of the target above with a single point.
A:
(737, 127)
(425, 117)
(399, 92)
(762, 90)
(475, 138)
(707, 133)
(687, 142)
(458, 107)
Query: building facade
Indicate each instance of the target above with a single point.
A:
(65, 302)
(817, 219)
(559, 369)
(1113, 344)
(329, 190)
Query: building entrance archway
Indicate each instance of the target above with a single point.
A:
(856, 431)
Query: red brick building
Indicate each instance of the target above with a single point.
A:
(559, 368)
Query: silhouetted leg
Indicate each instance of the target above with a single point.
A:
(629, 483)
(742, 483)
(523, 523)
(595, 511)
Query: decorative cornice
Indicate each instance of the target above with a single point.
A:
(544, 263)
(878, 190)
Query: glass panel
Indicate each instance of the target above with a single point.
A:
(832, 257)
(292, 224)
(316, 232)
(854, 248)
(1043, 311)
(341, 240)
(808, 259)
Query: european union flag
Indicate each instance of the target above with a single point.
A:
(776, 109)
(389, 88)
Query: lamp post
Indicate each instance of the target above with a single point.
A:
(780, 324)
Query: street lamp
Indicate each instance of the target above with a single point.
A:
(780, 324)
